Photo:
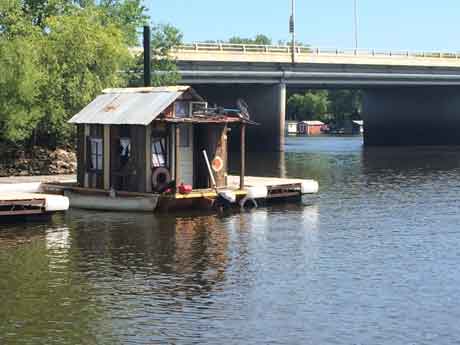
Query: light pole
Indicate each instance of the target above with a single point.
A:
(356, 23)
(292, 29)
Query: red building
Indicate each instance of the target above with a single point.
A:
(310, 128)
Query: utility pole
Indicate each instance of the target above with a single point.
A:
(292, 29)
(356, 23)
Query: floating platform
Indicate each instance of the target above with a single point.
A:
(22, 204)
(261, 189)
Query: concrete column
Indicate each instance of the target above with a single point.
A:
(106, 157)
(267, 106)
(412, 116)
(282, 115)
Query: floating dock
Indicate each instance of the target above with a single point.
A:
(23, 196)
(22, 204)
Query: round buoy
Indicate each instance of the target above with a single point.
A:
(160, 178)
(217, 164)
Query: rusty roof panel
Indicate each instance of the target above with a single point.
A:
(119, 107)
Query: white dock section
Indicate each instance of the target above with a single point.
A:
(12, 204)
(274, 187)
(21, 196)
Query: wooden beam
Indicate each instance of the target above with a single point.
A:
(106, 157)
(177, 176)
(243, 155)
(85, 156)
(148, 159)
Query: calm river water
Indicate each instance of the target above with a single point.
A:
(374, 259)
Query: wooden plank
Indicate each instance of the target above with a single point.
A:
(21, 212)
(283, 195)
(148, 159)
(23, 202)
(177, 173)
(85, 155)
(243, 156)
(106, 157)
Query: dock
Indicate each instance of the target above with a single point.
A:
(274, 187)
(22, 204)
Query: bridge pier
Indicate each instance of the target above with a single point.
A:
(411, 116)
(267, 106)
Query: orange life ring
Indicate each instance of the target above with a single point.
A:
(217, 164)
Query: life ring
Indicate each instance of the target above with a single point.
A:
(160, 178)
(246, 201)
(217, 164)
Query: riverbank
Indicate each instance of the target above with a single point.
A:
(37, 161)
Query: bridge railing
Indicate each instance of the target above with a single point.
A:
(307, 50)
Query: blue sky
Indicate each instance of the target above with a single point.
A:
(383, 24)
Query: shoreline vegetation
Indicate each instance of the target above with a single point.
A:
(57, 55)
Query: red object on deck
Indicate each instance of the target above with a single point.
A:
(185, 188)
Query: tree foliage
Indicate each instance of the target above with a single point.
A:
(258, 39)
(57, 55)
(164, 69)
(325, 105)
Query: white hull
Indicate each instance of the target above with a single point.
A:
(108, 203)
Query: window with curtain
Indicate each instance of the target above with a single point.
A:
(159, 152)
(96, 155)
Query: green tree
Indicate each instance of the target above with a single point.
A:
(83, 57)
(56, 56)
(258, 39)
(345, 104)
(164, 69)
(20, 82)
(312, 105)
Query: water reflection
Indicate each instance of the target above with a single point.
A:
(372, 260)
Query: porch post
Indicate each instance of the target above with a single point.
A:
(177, 154)
(243, 155)
(148, 159)
(106, 157)
(85, 155)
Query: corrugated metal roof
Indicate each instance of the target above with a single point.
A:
(131, 106)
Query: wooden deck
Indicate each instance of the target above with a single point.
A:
(22, 204)
(252, 181)
(12, 204)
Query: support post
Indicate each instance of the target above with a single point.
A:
(177, 154)
(243, 155)
(106, 157)
(282, 115)
(148, 159)
(85, 155)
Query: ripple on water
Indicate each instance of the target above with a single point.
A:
(372, 260)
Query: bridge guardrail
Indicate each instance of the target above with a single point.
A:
(307, 50)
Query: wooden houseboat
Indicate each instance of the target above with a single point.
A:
(157, 148)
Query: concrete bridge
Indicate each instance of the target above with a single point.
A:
(410, 98)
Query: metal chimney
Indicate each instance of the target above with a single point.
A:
(147, 57)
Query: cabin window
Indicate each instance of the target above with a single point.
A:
(198, 107)
(96, 156)
(125, 150)
(159, 152)
(182, 109)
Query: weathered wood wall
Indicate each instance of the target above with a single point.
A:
(213, 139)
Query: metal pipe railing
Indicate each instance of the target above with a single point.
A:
(307, 50)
